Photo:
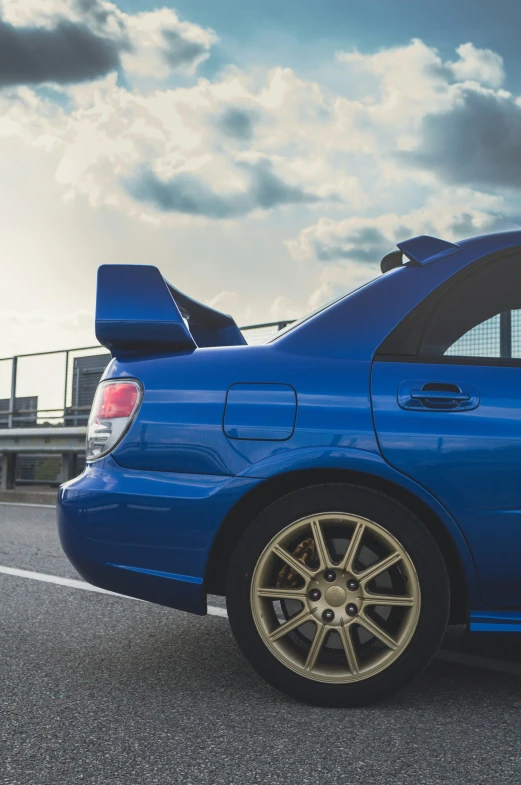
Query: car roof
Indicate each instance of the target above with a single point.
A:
(355, 325)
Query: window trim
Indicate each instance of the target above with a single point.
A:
(449, 359)
(423, 311)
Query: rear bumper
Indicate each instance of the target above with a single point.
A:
(145, 534)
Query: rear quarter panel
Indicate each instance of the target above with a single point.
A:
(179, 427)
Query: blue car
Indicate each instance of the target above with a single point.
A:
(350, 486)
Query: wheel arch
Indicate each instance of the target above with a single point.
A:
(273, 488)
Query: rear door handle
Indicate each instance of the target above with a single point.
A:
(439, 395)
(427, 396)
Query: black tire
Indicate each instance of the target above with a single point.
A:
(413, 536)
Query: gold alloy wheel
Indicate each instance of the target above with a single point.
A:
(335, 597)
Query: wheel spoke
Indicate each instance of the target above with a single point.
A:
(388, 599)
(347, 641)
(295, 564)
(371, 572)
(291, 624)
(316, 646)
(282, 594)
(377, 631)
(353, 547)
(320, 545)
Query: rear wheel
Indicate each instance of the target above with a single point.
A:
(337, 595)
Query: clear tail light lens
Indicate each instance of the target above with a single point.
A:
(114, 408)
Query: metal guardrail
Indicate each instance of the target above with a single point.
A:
(66, 443)
(32, 425)
(41, 388)
(58, 440)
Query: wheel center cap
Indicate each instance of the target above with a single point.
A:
(336, 596)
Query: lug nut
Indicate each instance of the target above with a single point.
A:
(328, 615)
(352, 585)
(315, 595)
(351, 609)
(330, 576)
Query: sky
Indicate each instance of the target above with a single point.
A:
(263, 155)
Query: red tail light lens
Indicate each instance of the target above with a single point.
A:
(113, 410)
(117, 399)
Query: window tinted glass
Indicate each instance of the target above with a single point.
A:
(484, 340)
(480, 316)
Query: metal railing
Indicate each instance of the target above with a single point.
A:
(56, 388)
(45, 400)
(41, 388)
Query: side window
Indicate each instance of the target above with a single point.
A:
(479, 317)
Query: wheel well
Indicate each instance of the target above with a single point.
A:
(269, 491)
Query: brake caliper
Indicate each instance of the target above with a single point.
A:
(288, 578)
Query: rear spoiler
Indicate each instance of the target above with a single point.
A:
(419, 250)
(139, 312)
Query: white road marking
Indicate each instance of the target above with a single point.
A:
(501, 666)
(41, 576)
(26, 504)
(213, 610)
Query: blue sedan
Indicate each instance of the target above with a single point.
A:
(350, 486)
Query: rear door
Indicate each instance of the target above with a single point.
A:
(446, 393)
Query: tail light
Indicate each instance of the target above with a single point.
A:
(114, 408)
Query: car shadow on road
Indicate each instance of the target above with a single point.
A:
(200, 657)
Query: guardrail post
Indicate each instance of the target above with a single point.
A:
(8, 470)
(12, 402)
(68, 467)
(65, 387)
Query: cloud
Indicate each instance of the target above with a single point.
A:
(40, 13)
(476, 141)
(452, 214)
(224, 301)
(181, 51)
(31, 330)
(267, 190)
(186, 193)
(363, 240)
(109, 139)
(146, 160)
(361, 244)
(160, 43)
(398, 82)
(65, 54)
(236, 123)
(68, 42)
(243, 144)
(337, 280)
(480, 65)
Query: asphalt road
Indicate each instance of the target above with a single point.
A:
(98, 689)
